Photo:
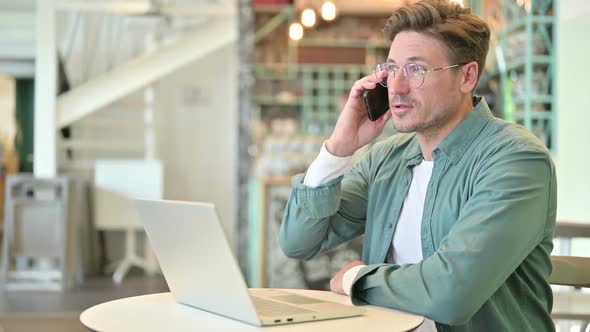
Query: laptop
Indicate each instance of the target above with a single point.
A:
(201, 271)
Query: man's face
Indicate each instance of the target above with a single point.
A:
(431, 107)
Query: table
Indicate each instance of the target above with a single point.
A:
(160, 312)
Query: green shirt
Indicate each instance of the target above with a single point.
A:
(487, 226)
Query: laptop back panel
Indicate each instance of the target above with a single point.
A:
(196, 259)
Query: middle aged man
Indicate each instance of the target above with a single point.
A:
(458, 211)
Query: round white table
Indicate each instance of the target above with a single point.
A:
(160, 312)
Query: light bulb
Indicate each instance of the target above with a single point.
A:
(328, 11)
(296, 31)
(308, 17)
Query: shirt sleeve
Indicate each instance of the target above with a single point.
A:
(508, 216)
(349, 277)
(317, 219)
(326, 167)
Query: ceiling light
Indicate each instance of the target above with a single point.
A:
(328, 11)
(308, 17)
(296, 31)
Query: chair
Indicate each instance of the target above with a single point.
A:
(571, 271)
(117, 183)
(38, 247)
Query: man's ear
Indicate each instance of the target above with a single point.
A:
(469, 77)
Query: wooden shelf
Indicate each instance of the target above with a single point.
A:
(270, 8)
(271, 100)
(535, 99)
(519, 115)
(537, 60)
(331, 42)
(520, 24)
(276, 180)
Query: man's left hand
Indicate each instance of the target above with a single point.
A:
(336, 281)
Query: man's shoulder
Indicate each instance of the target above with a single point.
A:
(511, 137)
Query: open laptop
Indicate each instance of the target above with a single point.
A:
(197, 262)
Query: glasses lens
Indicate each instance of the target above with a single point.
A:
(381, 67)
(415, 75)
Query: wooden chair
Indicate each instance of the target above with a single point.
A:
(571, 271)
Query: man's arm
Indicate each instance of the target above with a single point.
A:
(326, 167)
(341, 283)
(317, 219)
(320, 218)
(510, 211)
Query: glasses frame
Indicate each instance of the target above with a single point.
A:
(392, 70)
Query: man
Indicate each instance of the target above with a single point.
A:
(458, 211)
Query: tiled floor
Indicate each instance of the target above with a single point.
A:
(59, 311)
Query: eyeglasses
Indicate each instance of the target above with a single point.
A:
(413, 73)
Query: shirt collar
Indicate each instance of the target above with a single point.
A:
(455, 145)
(413, 152)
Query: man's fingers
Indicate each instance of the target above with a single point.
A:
(333, 287)
(366, 83)
(380, 76)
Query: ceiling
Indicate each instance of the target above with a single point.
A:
(356, 7)
(95, 36)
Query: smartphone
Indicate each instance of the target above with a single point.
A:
(376, 101)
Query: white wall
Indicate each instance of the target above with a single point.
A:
(197, 127)
(573, 121)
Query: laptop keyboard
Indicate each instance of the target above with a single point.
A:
(274, 308)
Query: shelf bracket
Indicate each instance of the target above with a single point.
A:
(272, 24)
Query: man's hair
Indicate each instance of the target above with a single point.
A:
(466, 35)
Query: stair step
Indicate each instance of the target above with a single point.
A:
(110, 124)
(129, 103)
(80, 165)
(101, 145)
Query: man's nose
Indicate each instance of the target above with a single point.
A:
(398, 84)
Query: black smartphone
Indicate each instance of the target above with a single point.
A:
(376, 101)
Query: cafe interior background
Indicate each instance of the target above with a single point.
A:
(222, 101)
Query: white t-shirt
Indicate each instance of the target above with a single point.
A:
(406, 242)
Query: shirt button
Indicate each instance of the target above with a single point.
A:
(389, 226)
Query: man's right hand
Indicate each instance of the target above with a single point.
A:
(354, 129)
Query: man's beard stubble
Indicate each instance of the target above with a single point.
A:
(429, 127)
(401, 99)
